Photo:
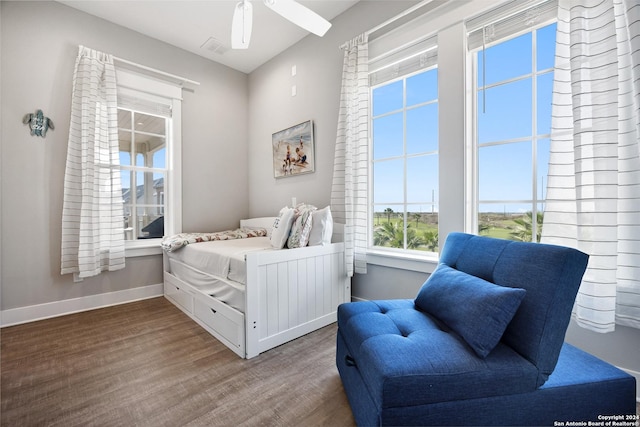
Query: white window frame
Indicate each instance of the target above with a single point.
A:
(475, 145)
(448, 23)
(152, 89)
(397, 252)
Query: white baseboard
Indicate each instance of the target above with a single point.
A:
(16, 316)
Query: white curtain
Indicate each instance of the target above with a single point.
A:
(350, 169)
(593, 194)
(92, 216)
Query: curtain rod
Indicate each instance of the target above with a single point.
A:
(153, 70)
(391, 20)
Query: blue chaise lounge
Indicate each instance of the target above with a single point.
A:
(482, 344)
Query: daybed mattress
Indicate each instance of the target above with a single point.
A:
(217, 268)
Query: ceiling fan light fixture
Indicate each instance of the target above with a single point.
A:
(241, 25)
(300, 15)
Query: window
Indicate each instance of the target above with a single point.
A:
(149, 116)
(513, 83)
(482, 166)
(143, 142)
(404, 165)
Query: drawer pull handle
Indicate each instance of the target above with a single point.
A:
(214, 311)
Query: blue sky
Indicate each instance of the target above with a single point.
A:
(505, 170)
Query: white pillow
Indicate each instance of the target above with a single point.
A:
(322, 227)
(281, 228)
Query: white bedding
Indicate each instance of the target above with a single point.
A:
(217, 267)
(224, 258)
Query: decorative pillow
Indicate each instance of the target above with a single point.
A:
(299, 236)
(301, 228)
(322, 228)
(281, 228)
(479, 311)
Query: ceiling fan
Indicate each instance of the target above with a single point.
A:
(300, 15)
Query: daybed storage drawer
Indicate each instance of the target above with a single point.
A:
(212, 316)
(176, 292)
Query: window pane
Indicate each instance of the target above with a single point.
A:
(387, 98)
(145, 145)
(144, 181)
(543, 167)
(149, 124)
(546, 47)
(508, 175)
(422, 129)
(146, 148)
(388, 181)
(505, 221)
(128, 219)
(405, 163)
(506, 60)
(129, 222)
(388, 136)
(158, 190)
(125, 177)
(508, 112)
(149, 187)
(124, 141)
(150, 222)
(422, 230)
(505, 172)
(422, 87)
(540, 221)
(160, 158)
(388, 229)
(545, 92)
(422, 179)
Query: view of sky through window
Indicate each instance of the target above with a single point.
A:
(405, 162)
(513, 88)
(514, 93)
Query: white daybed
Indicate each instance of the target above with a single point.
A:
(287, 293)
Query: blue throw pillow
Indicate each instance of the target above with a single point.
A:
(479, 311)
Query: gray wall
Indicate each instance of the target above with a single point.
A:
(39, 44)
(318, 80)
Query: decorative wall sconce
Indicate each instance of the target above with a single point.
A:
(38, 123)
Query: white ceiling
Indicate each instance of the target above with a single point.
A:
(189, 24)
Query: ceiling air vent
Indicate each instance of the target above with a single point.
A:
(214, 45)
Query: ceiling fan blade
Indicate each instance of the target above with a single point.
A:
(241, 25)
(300, 15)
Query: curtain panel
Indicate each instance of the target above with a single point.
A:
(350, 171)
(593, 192)
(92, 215)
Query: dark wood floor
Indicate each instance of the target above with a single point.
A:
(148, 364)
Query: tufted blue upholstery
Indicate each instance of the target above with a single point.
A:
(408, 358)
(401, 365)
(550, 274)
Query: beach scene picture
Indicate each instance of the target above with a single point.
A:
(293, 150)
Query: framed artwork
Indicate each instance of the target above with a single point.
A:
(293, 150)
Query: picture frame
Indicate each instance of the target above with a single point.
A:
(293, 150)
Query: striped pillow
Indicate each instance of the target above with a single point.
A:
(301, 228)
